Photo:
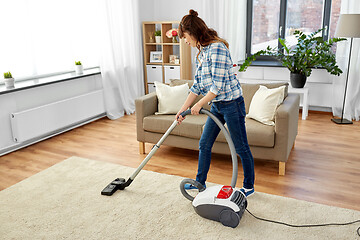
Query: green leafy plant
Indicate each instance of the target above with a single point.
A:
(77, 63)
(158, 33)
(7, 75)
(311, 51)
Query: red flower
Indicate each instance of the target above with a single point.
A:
(174, 33)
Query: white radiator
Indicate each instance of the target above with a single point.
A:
(42, 120)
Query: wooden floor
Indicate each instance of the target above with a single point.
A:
(324, 166)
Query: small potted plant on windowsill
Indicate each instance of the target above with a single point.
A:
(79, 67)
(9, 80)
(311, 51)
(158, 36)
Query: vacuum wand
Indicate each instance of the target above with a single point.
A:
(120, 183)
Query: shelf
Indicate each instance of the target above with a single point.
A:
(163, 71)
(165, 64)
(170, 44)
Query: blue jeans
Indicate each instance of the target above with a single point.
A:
(233, 114)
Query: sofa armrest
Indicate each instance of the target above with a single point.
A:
(144, 106)
(286, 125)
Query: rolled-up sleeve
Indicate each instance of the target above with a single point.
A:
(218, 57)
(195, 89)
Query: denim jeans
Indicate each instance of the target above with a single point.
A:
(233, 114)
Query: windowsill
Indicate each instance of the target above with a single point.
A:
(269, 63)
(41, 81)
(259, 63)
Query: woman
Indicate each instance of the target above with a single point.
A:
(215, 79)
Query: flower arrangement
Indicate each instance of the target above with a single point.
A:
(172, 33)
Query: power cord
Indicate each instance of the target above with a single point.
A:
(310, 225)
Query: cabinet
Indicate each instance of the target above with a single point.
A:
(157, 63)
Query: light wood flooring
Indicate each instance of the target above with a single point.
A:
(324, 166)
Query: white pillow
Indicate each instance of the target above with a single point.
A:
(264, 103)
(170, 99)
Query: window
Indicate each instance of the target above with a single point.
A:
(44, 37)
(269, 20)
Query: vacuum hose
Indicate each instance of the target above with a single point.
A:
(232, 150)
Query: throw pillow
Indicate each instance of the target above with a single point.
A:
(264, 103)
(170, 99)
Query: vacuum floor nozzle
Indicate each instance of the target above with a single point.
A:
(117, 184)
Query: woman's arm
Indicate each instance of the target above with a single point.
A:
(189, 100)
(196, 108)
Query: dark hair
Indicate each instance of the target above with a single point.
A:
(196, 27)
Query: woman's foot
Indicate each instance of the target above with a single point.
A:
(247, 191)
(189, 186)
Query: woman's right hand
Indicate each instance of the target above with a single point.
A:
(178, 117)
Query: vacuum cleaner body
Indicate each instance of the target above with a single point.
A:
(222, 204)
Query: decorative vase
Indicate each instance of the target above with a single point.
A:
(174, 39)
(297, 80)
(158, 39)
(9, 82)
(79, 69)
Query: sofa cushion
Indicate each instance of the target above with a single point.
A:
(264, 103)
(258, 134)
(249, 89)
(170, 99)
(191, 127)
(177, 82)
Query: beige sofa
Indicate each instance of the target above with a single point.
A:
(266, 142)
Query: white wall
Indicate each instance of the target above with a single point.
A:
(319, 83)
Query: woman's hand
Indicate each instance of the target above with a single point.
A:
(178, 117)
(195, 110)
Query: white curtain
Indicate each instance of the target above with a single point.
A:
(352, 101)
(121, 62)
(41, 37)
(228, 18)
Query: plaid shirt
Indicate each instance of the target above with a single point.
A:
(215, 73)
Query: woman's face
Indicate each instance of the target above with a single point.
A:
(189, 39)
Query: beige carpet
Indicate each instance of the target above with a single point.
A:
(64, 202)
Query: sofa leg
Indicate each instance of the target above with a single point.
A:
(282, 168)
(142, 147)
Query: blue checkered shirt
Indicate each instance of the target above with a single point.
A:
(215, 73)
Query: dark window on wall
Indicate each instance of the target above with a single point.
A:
(268, 20)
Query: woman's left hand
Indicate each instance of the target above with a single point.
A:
(196, 109)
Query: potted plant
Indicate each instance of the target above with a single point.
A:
(158, 36)
(311, 51)
(79, 67)
(9, 80)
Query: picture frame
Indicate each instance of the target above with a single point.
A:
(155, 56)
(172, 59)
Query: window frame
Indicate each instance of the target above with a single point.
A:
(267, 60)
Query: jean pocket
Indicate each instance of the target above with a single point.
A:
(241, 107)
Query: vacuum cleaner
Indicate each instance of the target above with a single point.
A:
(224, 204)
(219, 203)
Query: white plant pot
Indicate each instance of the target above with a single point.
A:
(9, 82)
(79, 69)
(158, 39)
